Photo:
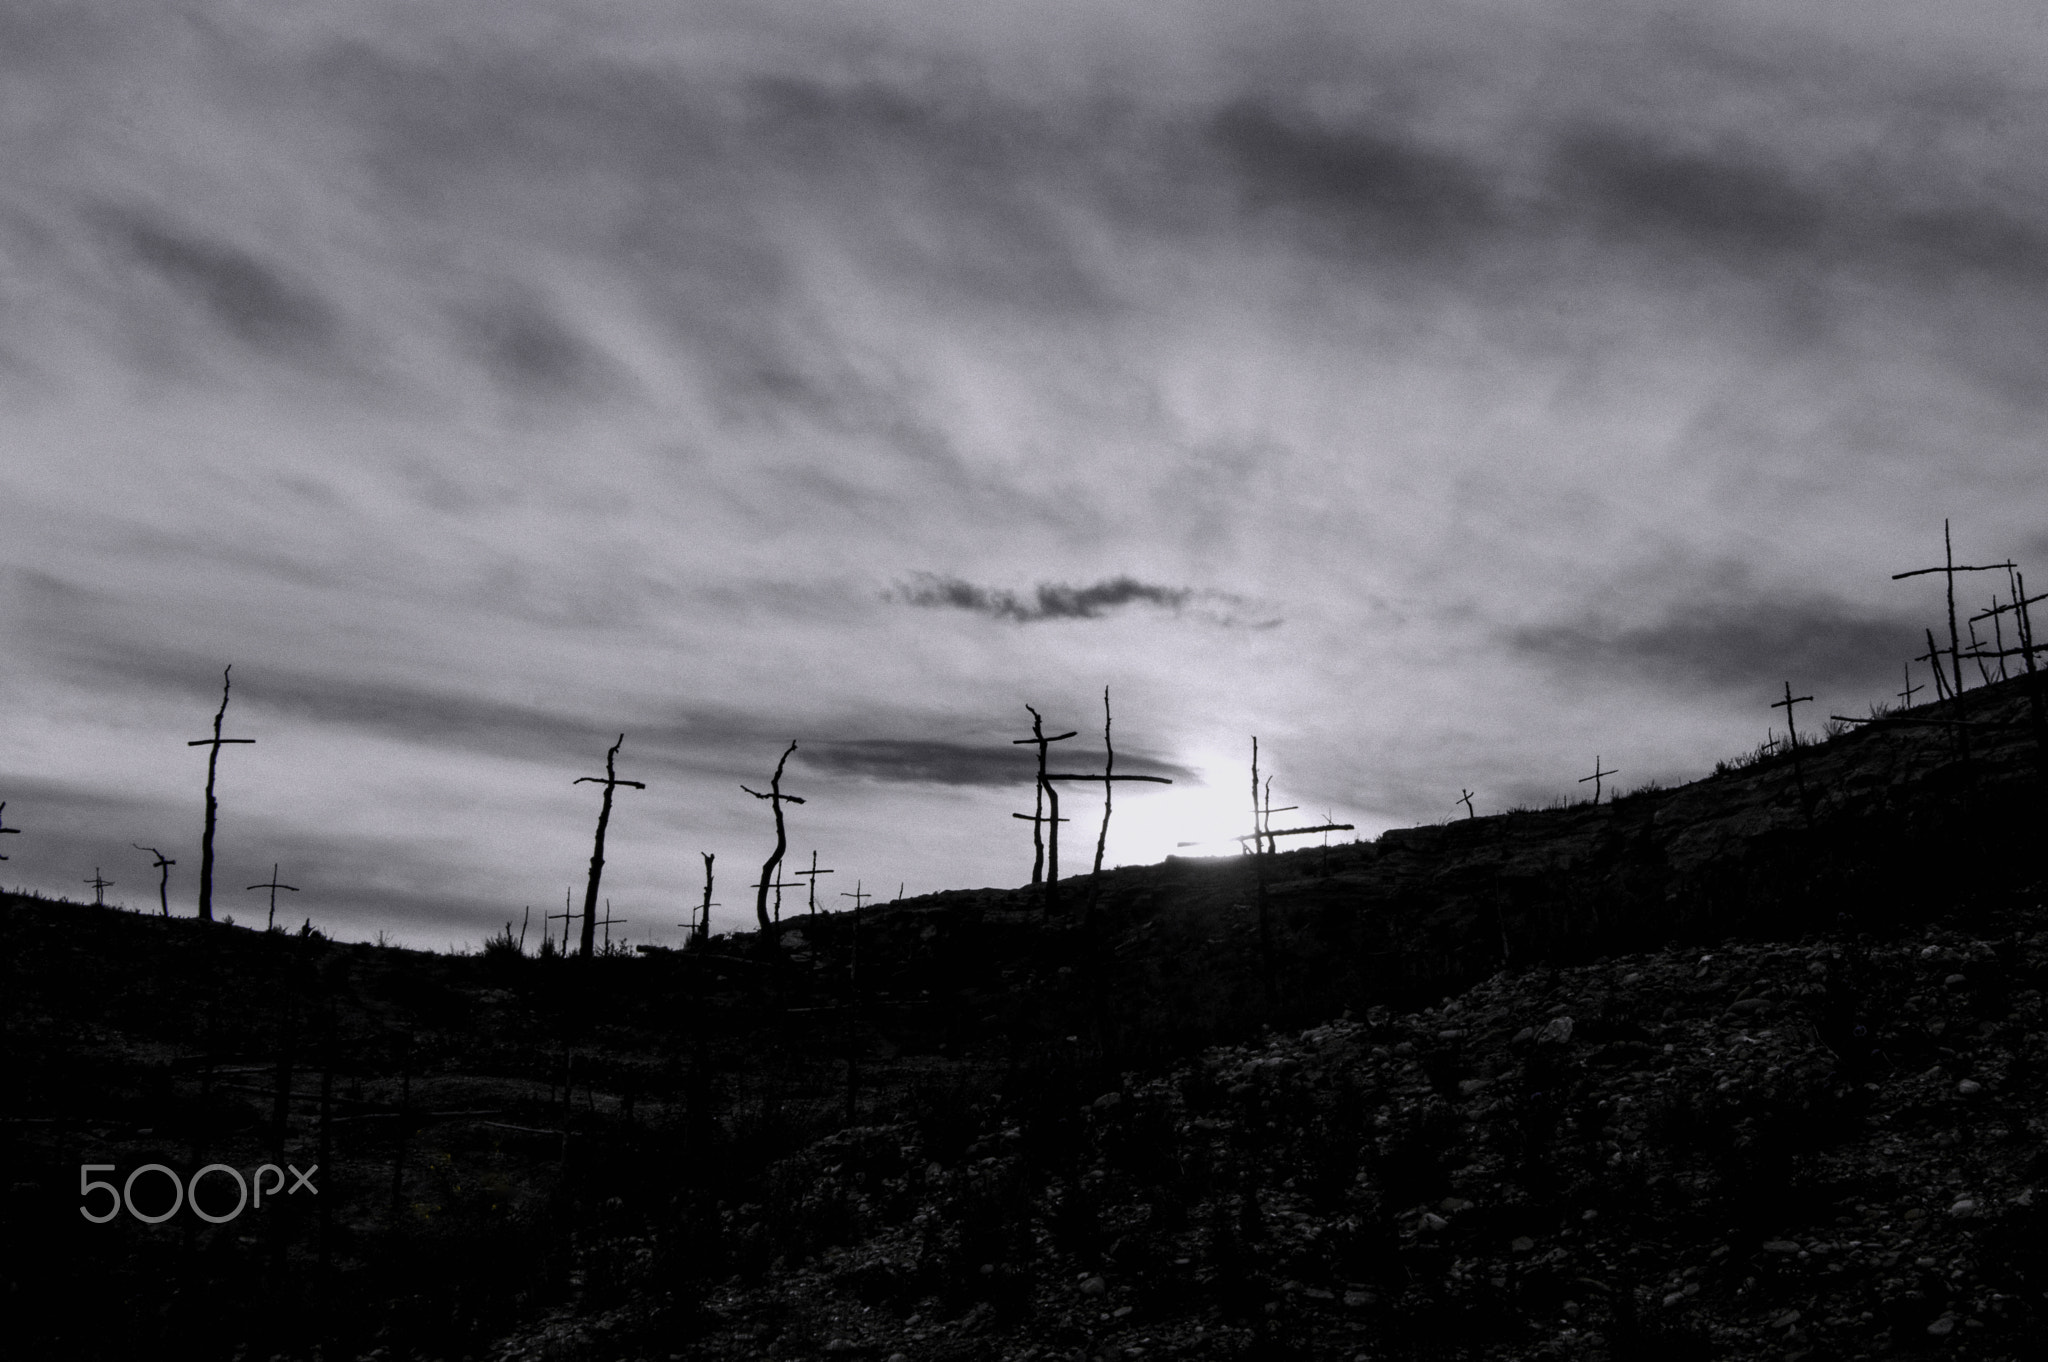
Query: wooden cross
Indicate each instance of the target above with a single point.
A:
(566, 916)
(1465, 798)
(857, 896)
(1932, 657)
(606, 922)
(610, 781)
(813, 874)
(3, 821)
(2022, 621)
(776, 799)
(99, 888)
(1911, 690)
(1107, 776)
(216, 742)
(162, 866)
(778, 886)
(1949, 569)
(1595, 778)
(1791, 731)
(1040, 861)
(273, 886)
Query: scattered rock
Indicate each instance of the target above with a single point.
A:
(1556, 1031)
(1094, 1286)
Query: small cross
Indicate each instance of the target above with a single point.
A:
(99, 888)
(1595, 778)
(857, 896)
(606, 922)
(1791, 733)
(813, 873)
(778, 886)
(566, 917)
(3, 821)
(1911, 690)
(273, 886)
(1465, 798)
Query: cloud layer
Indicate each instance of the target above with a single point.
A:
(485, 380)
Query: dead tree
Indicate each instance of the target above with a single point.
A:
(776, 799)
(99, 888)
(812, 874)
(163, 867)
(610, 781)
(1108, 771)
(702, 930)
(1595, 778)
(1045, 848)
(215, 743)
(273, 886)
(3, 822)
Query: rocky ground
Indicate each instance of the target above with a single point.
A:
(1824, 1148)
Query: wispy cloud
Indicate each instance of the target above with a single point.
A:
(1061, 601)
(933, 762)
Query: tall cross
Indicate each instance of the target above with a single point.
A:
(1039, 823)
(99, 888)
(1949, 569)
(273, 886)
(1911, 690)
(606, 922)
(1108, 777)
(813, 874)
(163, 867)
(216, 742)
(610, 781)
(3, 821)
(1595, 778)
(776, 799)
(1465, 798)
(1791, 731)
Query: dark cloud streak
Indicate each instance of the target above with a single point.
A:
(1058, 600)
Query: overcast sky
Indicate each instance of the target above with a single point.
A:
(1445, 393)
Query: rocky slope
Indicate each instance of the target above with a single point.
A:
(1828, 1148)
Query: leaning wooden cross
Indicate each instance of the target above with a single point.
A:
(99, 888)
(1595, 778)
(273, 886)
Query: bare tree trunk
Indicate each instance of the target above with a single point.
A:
(776, 799)
(1108, 785)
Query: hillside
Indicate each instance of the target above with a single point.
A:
(1710, 1070)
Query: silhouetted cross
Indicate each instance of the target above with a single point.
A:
(216, 742)
(273, 886)
(1949, 570)
(99, 888)
(813, 873)
(606, 922)
(1911, 690)
(1465, 798)
(857, 896)
(1791, 730)
(1595, 778)
(3, 820)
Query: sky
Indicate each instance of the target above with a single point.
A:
(1445, 393)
